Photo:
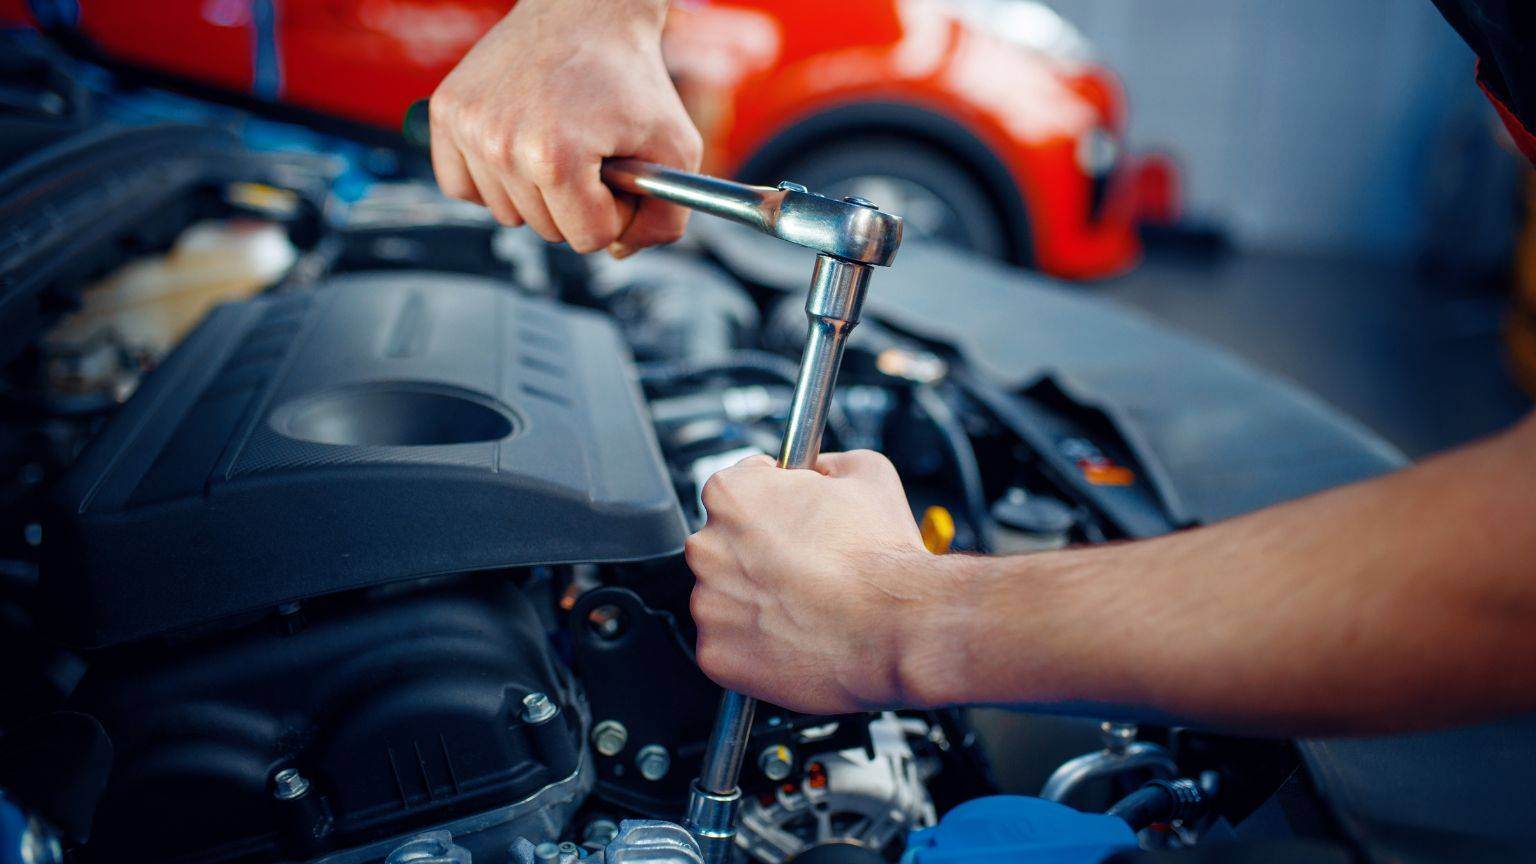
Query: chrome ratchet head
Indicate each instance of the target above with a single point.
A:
(851, 229)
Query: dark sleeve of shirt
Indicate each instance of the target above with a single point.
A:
(1503, 33)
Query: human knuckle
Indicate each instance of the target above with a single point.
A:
(691, 146)
(713, 659)
(494, 144)
(694, 549)
(548, 158)
(588, 239)
(716, 491)
(700, 605)
(443, 106)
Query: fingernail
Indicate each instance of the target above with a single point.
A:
(620, 251)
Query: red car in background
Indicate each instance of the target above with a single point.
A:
(983, 122)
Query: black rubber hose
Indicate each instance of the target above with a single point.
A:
(967, 469)
(1162, 801)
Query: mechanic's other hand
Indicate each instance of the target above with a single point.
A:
(523, 123)
(812, 584)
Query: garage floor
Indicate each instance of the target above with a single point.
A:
(1417, 358)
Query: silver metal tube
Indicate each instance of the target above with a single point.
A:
(832, 307)
(727, 746)
(813, 393)
(738, 202)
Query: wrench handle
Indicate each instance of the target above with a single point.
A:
(755, 206)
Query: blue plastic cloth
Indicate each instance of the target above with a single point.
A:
(1016, 828)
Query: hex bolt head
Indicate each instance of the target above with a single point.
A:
(607, 621)
(538, 709)
(288, 785)
(654, 761)
(599, 831)
(776, 761)
(609, 737)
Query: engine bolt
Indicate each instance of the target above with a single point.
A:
(537, 708)
(548, 853)
(1117, 736)
(609, 737)
(288, 785)
(607, 621)
(776, 761)
(570, 850)
(654, 761)
(599, 831)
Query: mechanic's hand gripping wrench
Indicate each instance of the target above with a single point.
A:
(852, 236)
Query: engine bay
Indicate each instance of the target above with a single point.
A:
(379, 559)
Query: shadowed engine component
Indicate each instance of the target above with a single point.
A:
(340, 727)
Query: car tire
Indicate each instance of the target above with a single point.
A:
(936, 195)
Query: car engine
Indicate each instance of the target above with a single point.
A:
(379, 560)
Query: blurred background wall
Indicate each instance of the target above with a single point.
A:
(1318, 126)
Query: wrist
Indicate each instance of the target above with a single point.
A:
(1025, 629)
(936, 638)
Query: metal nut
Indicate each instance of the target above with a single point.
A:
(288, 784)
(609, 737)
(537, 708)
(653, 761)
(607, 621)
(776, 761)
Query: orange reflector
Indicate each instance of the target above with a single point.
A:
(1108, 474)
(938, 529)
(816, 776)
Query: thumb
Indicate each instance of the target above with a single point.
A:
(856, 463)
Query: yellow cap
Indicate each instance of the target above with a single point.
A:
(938, 529)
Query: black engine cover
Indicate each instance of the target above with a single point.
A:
(381, 427)
(402, 711)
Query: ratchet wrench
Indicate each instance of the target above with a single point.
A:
(851, 236)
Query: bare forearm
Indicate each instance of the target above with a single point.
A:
(1405, 601)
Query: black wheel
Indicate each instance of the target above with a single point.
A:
(936, 196)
